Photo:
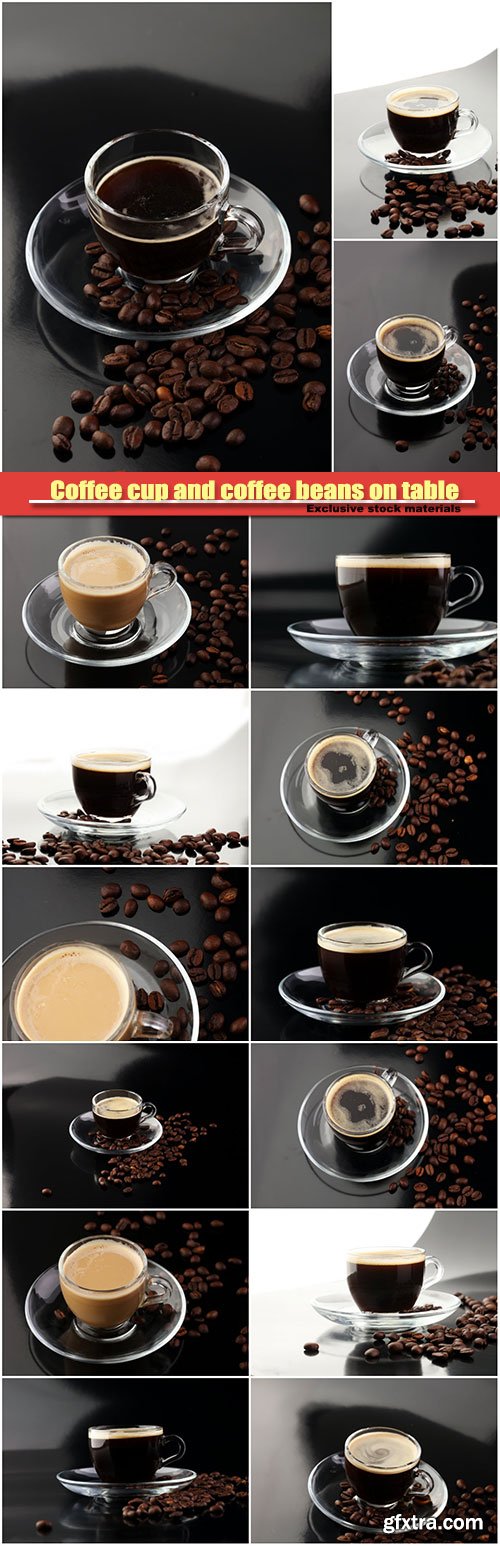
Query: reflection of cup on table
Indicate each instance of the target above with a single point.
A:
(132, 1454)
(104, 1283)
(77, 992)
(105, 582)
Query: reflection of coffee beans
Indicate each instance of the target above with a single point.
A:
(361, 962)
(410, 349)
(382, 1281)
(126, 1454)
(153, 189)
(112, 784)
(341, 768)
(423, 119)
(381, 1464)
(73, 993)
(396, 596)
(359, 1108)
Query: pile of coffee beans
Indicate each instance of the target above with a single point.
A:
(188, 389)
(465, 1501)
(212, 1494)
(469, 1335)
(215, 961)
(219, 603)
(180, 1132)
(197, 848)
(468, 1011)
(384, 785)
(462, 1113)
(409, 204)
(445, 766)
(480, 672)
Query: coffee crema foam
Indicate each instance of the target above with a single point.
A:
(389, 1258)
(361, 938)
(410, 338)
(112, 762)
(341, 765)
(394, 561)
(101, 1266)
(117, 1106)
(103, 565)
(422, 101)
(359, 1105)
(74, 993)
(200, 180)
(102, 1435)
(381, 1450)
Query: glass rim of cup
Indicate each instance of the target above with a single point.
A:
(415, 316)
(354, 923)
(50, 950)
(117, 1090)
(450, 101)
(382, 1428)
(387, 558)
(136, 221)
(113, 1428)
(68, 1251)
(390, 1250)
(363, 1074)
(85, 542)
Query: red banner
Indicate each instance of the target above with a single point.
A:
(276, 493)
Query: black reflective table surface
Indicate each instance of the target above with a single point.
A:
(258, 90)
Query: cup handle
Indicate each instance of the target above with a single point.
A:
(471, 121)
(246, 234)
(421, 1486)
(160, 1029)
(436, 1272)
(156, 1294)
(390, 1076)
(418, 965)
(148, 784)
(477, 587)
(170, 1453)
(148, 1110)
(450, 334)
(162, 577)
(372, 738)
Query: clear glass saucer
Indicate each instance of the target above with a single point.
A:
(87, 1484)
(110, 936)
(166, 809)
(369, 382)
(150, 1329)
(332, 638)
(338, 1307)
(160, 624)
(59, 268)
(377, 142)
(341, 1167)
(300, 990)
(328, 1478)
(324, 829)
(84, 1127)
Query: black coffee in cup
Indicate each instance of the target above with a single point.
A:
(381, 1464)
(359, 1107)
(382, 1282)
(341, 769)
(152, 190)
(119, 1113)
(423, 119)
(410, 350)
(385, 596)
(112, 785)
(362, 961)
(126, 1454)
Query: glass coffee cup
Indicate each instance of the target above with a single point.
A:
(158, 202)
(341, 768)
(366, 962)
(426, 119)
(132, 1454)
(382, 1464)
(120, 1113)
(104, 1282)
(359, 1108)
(411, 349)
(105, 582)
(390, 1281)
(78, 992)
(111, 785)
(397, 595)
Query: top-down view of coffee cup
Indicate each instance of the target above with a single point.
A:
(354, 601)
(412, 1296)
(150, 247)
(414, 149)
(104, 797)
(415, 358)
(88, 596)
(121, 1460)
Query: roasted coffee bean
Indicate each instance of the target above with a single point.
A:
(103, 443)
(64, 426)
(61, 446)
(81, 399)
(133, 439)
(88, 425)
(129, 948)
